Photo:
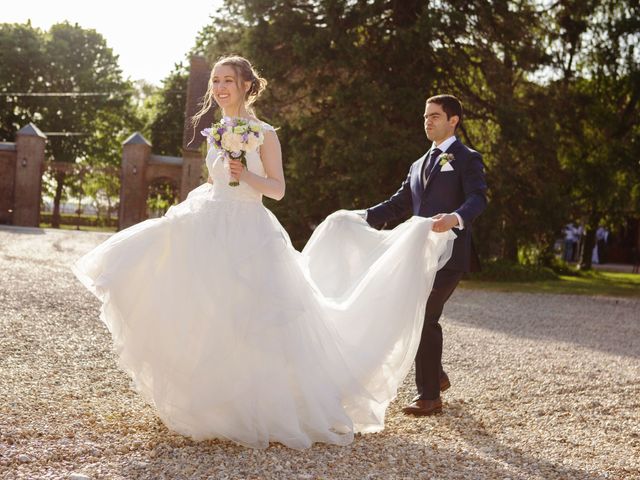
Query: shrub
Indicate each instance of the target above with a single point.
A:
(505, 271)
(82, 220)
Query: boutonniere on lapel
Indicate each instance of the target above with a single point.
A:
(445, 162)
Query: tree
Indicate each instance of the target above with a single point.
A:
(599, 84)
(21, 58)
(335, 94)
(348, 82)
(94, 111)
(81, 61)
(488, 54)
(163, 113)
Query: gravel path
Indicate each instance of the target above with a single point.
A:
(543, 386)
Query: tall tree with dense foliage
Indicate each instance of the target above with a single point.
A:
(94, 110)
(543, 84)
(597, 97)
(349, 81)
(21, 58)
(163, 113)
(337, 74)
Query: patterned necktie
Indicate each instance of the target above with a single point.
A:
(428, 166)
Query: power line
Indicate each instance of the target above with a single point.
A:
(80, 94)
(58, 94)
(65, 134)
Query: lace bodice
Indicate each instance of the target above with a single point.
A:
(220, 174)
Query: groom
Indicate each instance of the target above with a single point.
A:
(448, 185)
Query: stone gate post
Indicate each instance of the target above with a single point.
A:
(30, 143)
(133, 187)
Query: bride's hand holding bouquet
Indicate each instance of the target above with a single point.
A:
(235, 137)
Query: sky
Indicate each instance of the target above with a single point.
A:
(148, 36)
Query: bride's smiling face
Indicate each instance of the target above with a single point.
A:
(226, 88)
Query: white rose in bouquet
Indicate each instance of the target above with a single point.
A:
(231, 142)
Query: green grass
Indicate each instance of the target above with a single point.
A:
(82, 228)
(613, 284)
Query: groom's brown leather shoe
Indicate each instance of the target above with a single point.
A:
(422, 408)
(445, 384)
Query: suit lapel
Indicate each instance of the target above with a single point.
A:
(452, 149)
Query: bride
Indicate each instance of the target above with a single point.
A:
(229, 332)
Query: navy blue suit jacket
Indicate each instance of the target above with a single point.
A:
(462, 190)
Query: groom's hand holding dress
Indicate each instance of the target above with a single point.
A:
(443, 222)
(448, 185)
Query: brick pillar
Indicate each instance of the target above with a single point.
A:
(136, 151)
(193, 151)
(30, 143)
(7, 178)
(192, 168)
(199, 73)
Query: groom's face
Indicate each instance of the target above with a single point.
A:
(436, 124)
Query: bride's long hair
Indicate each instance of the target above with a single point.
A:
(245, 72)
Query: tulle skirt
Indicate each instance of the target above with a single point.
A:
(229, 332)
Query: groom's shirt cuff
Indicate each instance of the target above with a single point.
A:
(460, 225)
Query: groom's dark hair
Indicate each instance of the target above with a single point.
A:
(450, 104)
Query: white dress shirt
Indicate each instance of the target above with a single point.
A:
(444, 145)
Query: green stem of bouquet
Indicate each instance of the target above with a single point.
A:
(243, 160)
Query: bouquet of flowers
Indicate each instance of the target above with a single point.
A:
(235, 137)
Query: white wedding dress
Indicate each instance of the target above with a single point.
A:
(229, 332)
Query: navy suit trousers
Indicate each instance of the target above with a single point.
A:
(429, 356)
